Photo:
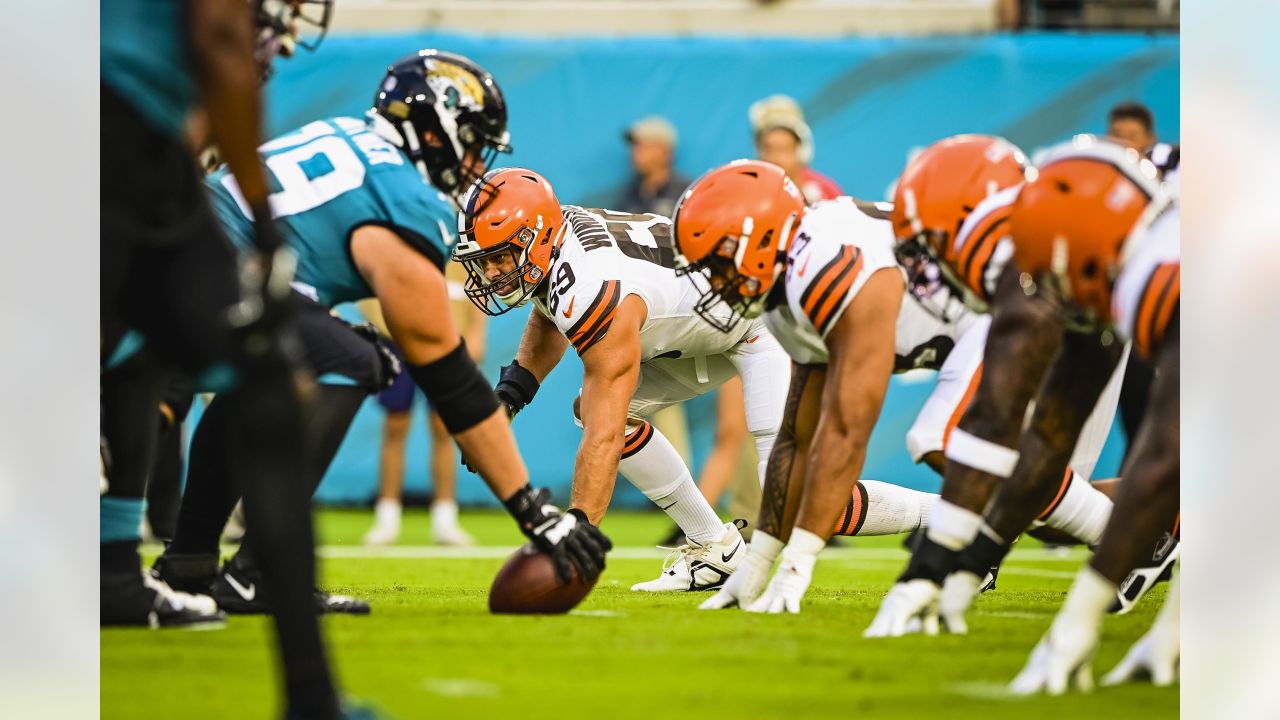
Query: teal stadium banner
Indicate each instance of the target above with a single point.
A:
(870, 102)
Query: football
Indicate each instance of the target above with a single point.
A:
(527, 585)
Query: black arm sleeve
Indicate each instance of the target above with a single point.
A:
(456, 389)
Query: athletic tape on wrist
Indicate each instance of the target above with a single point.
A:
(979, 454)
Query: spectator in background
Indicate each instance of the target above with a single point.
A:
(1133, 124)
(784, 139)
(657, 185)
(397, 401)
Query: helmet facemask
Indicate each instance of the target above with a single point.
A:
(725, 296)
(283, 26)
(518, 277)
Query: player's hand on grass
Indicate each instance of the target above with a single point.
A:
(569, 538)
(747, 582)
(911, 606)
(1155, 656)
(958, 593)
(788, 585)
(1061, 661)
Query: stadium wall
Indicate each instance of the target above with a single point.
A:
(870, 102)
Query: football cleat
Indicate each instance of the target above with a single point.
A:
(128, 600)
(1142, 579)
(238, 590)
(383, 535)
(693, 568)
(186, 573)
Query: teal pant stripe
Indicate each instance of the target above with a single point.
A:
(120, 518)
(333, 378)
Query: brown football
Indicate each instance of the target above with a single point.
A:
(527, 584)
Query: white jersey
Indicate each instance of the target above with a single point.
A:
(605, 256)
(838, 245)
(1148, 288)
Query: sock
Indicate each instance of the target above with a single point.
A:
(386, 513)
(212, 490)
(443, 513)
(651, 463)
(1079, 509)
(880, 508)
(952, 526)
(120, 518)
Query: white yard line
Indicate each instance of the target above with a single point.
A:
(433, 552)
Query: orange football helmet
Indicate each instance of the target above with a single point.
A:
(509, 224)
(732, 227)
(935, 194)
(1070, 224)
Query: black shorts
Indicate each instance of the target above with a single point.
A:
(167, 270)
(334, 352)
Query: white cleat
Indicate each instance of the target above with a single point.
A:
(691, 568)
(450, 535)
(382, 535)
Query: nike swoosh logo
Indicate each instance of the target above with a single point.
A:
(248, 593)
(569, 310)
(734, 551)
(669, 506)
(803, 267)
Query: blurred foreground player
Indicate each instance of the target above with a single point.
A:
(367, 206)
(951, 221)
(642, 344)
(825, 280)
(168, 273)
(1098, 238)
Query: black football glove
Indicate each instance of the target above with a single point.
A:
(566, 537)
(516, 387)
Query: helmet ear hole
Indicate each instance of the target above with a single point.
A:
(1090, 269)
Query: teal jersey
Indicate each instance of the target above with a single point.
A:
(143, 57)
(327, 179)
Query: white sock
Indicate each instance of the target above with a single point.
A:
(386, 513)
(952, 526)
(1082, 511)
(444, 513)
(651, 463)
(892, 509)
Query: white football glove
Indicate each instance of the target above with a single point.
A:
(1062, 660)
(1155, 655)
(910, 606)
(788, 585)
(745, 584)
(958, 593)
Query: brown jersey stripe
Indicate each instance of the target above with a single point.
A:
(636, 441)
(811, 295)
(984, 238)
(1144, 324)
(834, 296)
(1165, 306)
(590, 328)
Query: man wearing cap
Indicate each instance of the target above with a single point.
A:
(657, 185)
(783, 138)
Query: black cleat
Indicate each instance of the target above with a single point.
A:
(188, 573)
(125, 601)
(238, 590)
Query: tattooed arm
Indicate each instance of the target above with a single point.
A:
(782, 484)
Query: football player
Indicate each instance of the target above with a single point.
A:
(1097, 238)
(605, 283)
(168, 274)
(826, 281)
(950, 217)
(367, 205)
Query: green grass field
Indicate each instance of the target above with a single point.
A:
(431, 649)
